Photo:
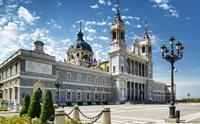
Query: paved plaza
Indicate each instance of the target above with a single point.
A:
(143, 114)
(138, 114)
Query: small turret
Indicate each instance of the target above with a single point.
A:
(39, 47)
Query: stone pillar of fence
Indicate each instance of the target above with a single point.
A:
(59, 117)
(16, 107)
(76, 116)
(106, 116)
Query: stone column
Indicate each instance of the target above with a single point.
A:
(134, 90)
(106, 116)
(76, 116)
(130, 91)
(59, 117)
(138, 91)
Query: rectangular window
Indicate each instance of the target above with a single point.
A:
(88, 96)
(0, 77)
(103, 96)
(96, 80)
(122, 68)
(68, 75)
(68, 96)
(78, 77)
(88, 78)
(16, 68)
(96, 96)
(113, 68)
(78, 97)
(103, 80)
(16, 93)
(114, 35)
(6, 72)
(10, 70)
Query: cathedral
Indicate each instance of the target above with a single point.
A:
(126, 76)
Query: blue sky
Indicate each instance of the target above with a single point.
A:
(55, 22)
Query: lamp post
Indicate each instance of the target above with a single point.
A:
(188, 96)
(58, 83)
(172, 57)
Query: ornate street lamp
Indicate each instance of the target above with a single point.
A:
(188, 96)
(172, 57)
(58, 83)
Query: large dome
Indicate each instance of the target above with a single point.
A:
(80, 44)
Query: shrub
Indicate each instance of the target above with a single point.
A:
(47, 108)
(68, 103)
(89, 102)
(25, 105)
(24, 119)
(97, 103)
(105, 102)
(3, 108)
(35, 108)
(80, 103)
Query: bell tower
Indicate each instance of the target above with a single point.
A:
(146, 45)
(117, 33)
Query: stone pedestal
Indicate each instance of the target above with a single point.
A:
(76, 116)
(172, 120)
(106, 116)
(59, 117)
(16, 107)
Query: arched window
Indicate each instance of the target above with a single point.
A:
(77, 55)
(122, 35)
(143, 49)
(114, 35)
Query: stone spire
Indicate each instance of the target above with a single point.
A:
(146, 36)
(117, 16)
(80, 34)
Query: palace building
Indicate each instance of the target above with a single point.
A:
(126, 76)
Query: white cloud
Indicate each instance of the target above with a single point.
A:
(109, 3)
(100, 52)
(3, 20)
(53, 24)
(127, 23)
(137, 18)
(94, 6)
(127, 17)
(138, 26)
(104, 30)
(89, 30)
(101, 23)
(1, 2)
(89, 23)
(164, 4)
(24, 14)
(102, 2)
(103, 38)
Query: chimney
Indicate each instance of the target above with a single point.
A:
(39, 47)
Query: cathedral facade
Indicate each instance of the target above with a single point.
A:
(126, 76)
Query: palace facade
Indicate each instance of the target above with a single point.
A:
(126, 76)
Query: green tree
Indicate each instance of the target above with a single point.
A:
(35, 108)
(47, 108)
(25, 105)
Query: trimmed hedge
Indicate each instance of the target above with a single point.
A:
(3, 108)
(80, 103)
(25, 105)
(35, 108)
(98, 103)
(68, 103)
(89, 102)
(105, 102)
(24, 119)
(47, 108)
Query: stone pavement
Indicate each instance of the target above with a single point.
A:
(138, 114)
(144, 114)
